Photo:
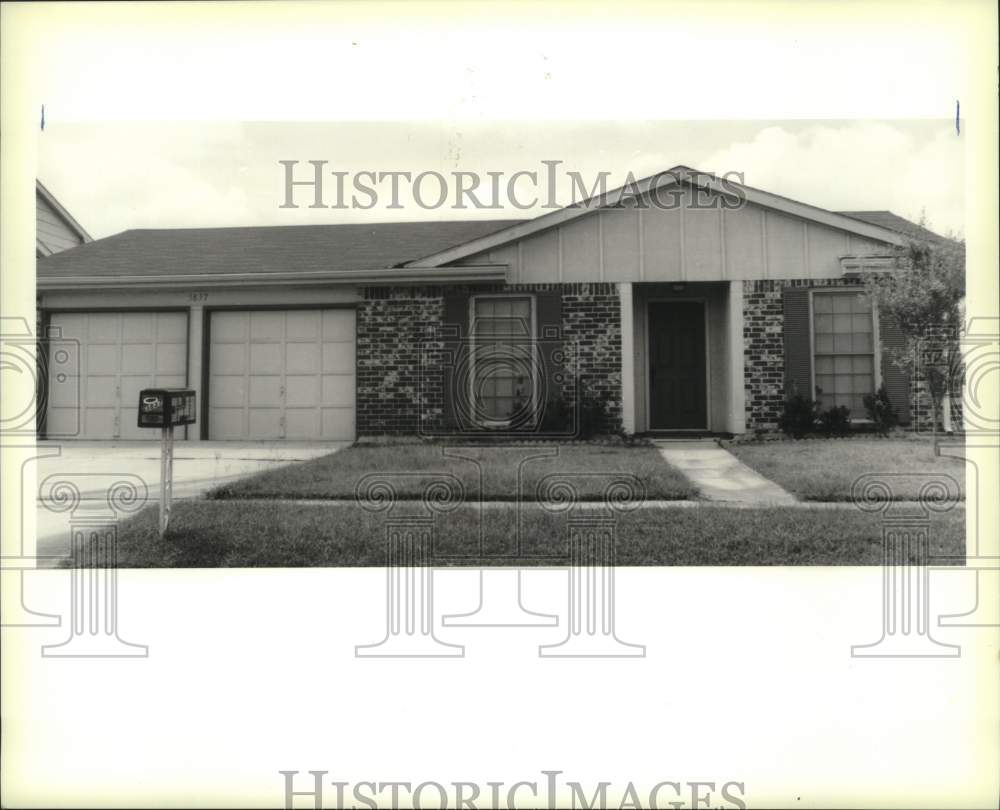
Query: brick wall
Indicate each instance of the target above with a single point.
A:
(763, 353)
(394, 324)
(941, 348)
(398, 325)
(591, 322)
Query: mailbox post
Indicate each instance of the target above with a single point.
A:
(166, 408)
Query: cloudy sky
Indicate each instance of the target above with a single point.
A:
(114, 176)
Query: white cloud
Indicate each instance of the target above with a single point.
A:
(115, 176)
(857, 166)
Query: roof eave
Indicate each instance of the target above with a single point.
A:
(383, 276)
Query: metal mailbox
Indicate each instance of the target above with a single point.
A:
(166, 407)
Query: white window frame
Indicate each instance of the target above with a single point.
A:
(533, 341)
(876, 345)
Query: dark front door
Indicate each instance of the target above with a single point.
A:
(677, 396)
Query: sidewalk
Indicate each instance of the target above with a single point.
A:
(720, 476)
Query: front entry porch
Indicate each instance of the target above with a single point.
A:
(684, 367)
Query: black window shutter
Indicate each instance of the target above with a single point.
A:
(798, 354)
(895, 379)
(551, 347)
(549, 309)
(455, 335)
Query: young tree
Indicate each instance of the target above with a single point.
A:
(923, 294)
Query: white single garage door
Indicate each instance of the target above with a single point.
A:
(282, 374)
(120, 354)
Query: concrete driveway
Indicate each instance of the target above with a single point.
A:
(93, 467)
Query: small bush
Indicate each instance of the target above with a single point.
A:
(883, 415)
(835, 421)
(556, 417)
(591, 416)
(799, 416)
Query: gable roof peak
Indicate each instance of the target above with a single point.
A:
(677, 174)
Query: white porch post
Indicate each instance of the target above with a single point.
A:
(628, 357)
(195, 339)
(737, 395)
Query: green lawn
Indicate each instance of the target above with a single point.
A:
(413, 466)
(826, 469)
(207, 534)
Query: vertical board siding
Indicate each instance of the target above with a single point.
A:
(825, 246)
(55, 234)
(679, 244)
(620, 230)
(785, 246)
(744, 243)
(703, 245)
(661, 244)
(580, 251)
(540, 257)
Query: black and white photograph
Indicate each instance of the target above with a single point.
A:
(442, 405)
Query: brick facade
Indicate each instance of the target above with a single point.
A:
(591, 321)
(763, 353)
(400, 338)
(921, 411)
(394, 324)
(941, 349)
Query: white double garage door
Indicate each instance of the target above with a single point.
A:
(272, 374)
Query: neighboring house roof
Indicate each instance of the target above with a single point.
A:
(282, 249)
(894, 222)
(670, 177)
(58, 230)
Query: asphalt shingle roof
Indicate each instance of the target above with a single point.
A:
(894, 222)
(304, 248)
(273, 249)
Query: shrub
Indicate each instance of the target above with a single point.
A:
(798, 416)
(835, 421)
(884, 417)
(591, 416)
(556, 416)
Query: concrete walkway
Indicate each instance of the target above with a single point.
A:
(720, 476)
(92, 467)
